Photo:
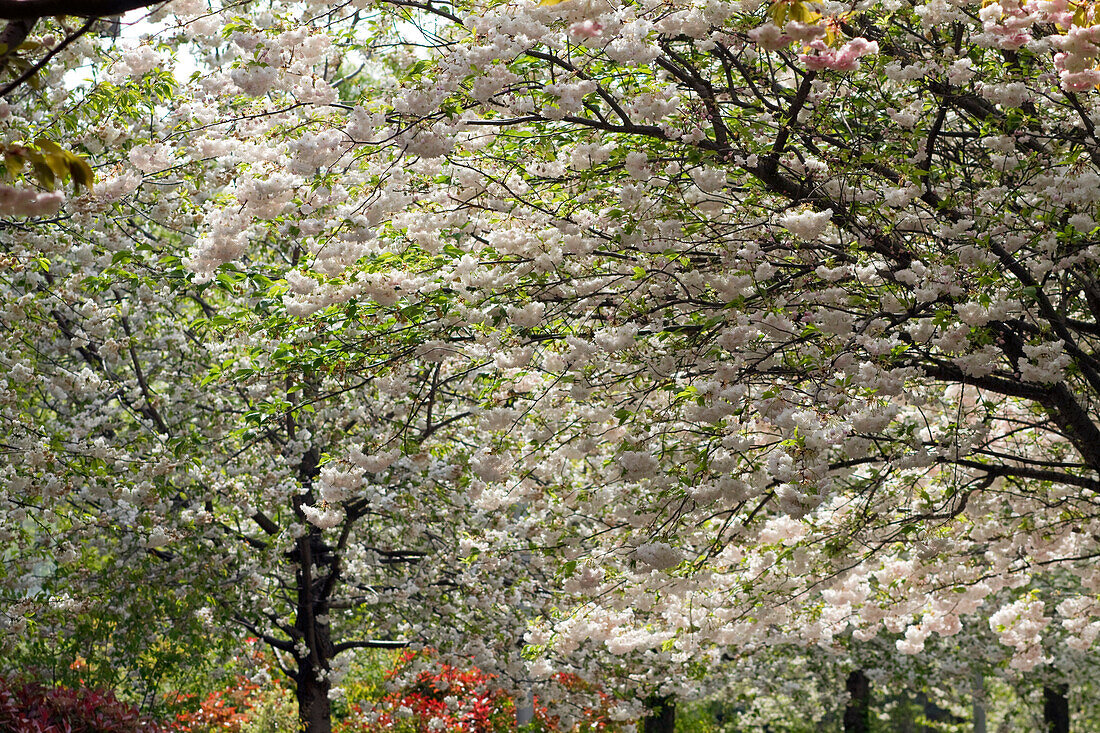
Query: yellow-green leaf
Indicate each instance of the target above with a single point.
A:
(45, 175)
(802, 13)
(57, 164)
(13, 162)
(49, 146)
(83, 176)
(778, 13)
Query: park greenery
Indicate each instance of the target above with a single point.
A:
(595, 361)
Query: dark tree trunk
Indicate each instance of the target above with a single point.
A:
(318, 569)
(312, 683)
(905, 716)
(660, 715)
(857, 716)
(933, 713)
(314, 709)
(525, 708)
(1056, 709)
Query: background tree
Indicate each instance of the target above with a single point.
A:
(189, 455)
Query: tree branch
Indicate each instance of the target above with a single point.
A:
(29, 73)
(34, 9)
(370, 644)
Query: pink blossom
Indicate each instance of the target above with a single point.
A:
(846, 58)
(769, 37)
(587, 28)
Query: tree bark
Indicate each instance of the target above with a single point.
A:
(1056, 708)
(525, 708)
(315, 660)
(934, 714)
(979, 703)
(318, 568)
(857, 715)
(33, 9)
(314, 708)
(660, 715)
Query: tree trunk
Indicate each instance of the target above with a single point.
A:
(935, 715)
(979, 703)
(857, 715)
(1056, 708)
(525, 708)
(660, 715)
(314, 709)
(318, 569)
(315, 660)
(904, 718)
(927, 716)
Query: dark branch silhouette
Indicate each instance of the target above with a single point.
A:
(22, 10)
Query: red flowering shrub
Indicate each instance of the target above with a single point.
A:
(232, 708)
(221, 710)
(446, 699)
(27, 707)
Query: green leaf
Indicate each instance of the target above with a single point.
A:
(45, 175)
(83, 176)
(49, 146)
(14, 163)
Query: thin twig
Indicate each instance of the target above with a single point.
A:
(22, 78)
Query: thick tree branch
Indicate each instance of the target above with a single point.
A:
(1033, 474)
(15, 33)
(369, 644)
(34, 9)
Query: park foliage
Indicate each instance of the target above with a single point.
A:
(644, 343)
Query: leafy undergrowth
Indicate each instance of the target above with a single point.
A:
(28, 707)
(449, 699)
(228, 709)
(256, 702)
(406, 693)
(444, 698)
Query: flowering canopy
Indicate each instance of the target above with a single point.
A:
(677, 327)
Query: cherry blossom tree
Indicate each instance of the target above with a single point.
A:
(822, 282)
(673, 328)
(186, 454)
(197, 471)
